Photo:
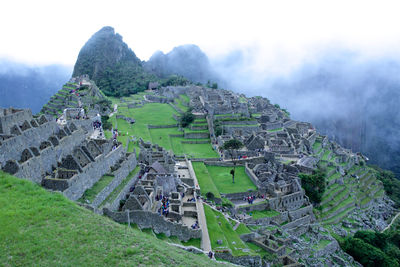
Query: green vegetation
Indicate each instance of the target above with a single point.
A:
(216, 179)
(220, 229)
(390, 183)
(157, 114)
(205, 182)
(314, 185)
(231, 146)
(41, 228)
(321, 244)
(242, 229)
(112, 65)
(91, 193)
(374, 248)
(107, 125)
(257, 214)
(221, 178)
(187, 118)
(175, 80)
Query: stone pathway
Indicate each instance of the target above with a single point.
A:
(393, 220)
(205, 238)
(115, 110)
(236, 226)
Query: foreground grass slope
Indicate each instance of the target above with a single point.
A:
(45, 229)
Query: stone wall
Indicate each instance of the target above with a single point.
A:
(328, 250)
(126, 167)
(35, 168)
(196, 142)
(258, 206)
(303, 220)
(241, 130)
(238, 122)
(241, 195)
(195, 135)
(176, 108)
(273, 125)
(242, 153)
(92, 173)
(115, 204)
(162, 126)
(253, 261)
(296, 214)
(221, 163)
(11, 117)
(252, 176)
(148, 219)
(278, 219)
(290, 202)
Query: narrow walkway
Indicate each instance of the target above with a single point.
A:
(115, 110)
(205, 238)
(393, 220)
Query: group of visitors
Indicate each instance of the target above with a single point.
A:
(164, 210)
(195, 225)
(191, 199)
(250, 199)
(97, 125)
(115, 133)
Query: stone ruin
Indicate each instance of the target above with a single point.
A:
(60, 157)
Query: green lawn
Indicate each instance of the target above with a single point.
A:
(40, 228)
(91, 193)
(242, 229)
(218, 180)
(220, 229)
(181, 104)
(205, 182)
(257, 214)
(223, 180)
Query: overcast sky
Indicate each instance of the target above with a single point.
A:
(282, 33)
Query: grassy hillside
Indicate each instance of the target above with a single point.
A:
(45, 229)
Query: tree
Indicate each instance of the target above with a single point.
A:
(214, 86)
(231, 146)
(187, 118)
(106, 123)
(314, 185)
(367, 254)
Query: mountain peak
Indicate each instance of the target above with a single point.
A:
(108, 61)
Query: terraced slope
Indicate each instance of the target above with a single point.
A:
(41, 228)
(61, 100)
